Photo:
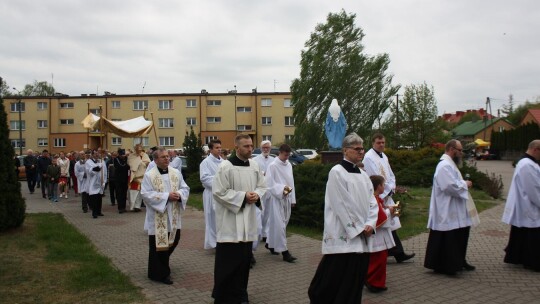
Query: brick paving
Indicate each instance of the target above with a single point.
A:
(121, 238)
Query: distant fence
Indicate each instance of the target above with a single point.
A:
(512, 143)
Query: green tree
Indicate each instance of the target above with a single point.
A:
(471, 116)
(4, 89)
(193, 151)
(41, 88)
(519, 113)
(508, 109)
(12, 205)
(333, 65)
(417, 116)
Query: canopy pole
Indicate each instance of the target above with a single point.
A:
(154, 126)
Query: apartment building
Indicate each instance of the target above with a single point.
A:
(54, 122)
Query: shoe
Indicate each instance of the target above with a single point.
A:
(101, 214)
(66, 196)
(85, 210)
(136, 210)
(44, 196)
(38, 186)
(287, 257)
(404, 257)
(61, 195)
(121, 211)
(468, 267)
(253, 262)
(374, 289)
(113, 204)
(55, 200)
(264, 239)
(271, 249)
(94, 216)
(167, 281)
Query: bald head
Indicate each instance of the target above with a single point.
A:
(534, 149)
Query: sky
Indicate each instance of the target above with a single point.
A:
(467, 50)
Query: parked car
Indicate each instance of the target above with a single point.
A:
(295, 158)
(308, 153)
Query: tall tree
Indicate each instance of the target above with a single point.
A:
(333, 65)
(508, 109)
(417, 116)
(193, 151)
(41, 88)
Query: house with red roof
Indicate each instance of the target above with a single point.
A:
(533, 115)
(456, 117)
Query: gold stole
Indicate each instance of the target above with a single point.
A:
(164, 241)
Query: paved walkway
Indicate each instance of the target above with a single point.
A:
(121, 238)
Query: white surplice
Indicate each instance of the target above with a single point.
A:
(523, 203)
(233, 223)
(375, 165)
(207, 171)
(263, 162)
(96, 179)
(349, 205)
(278, 175)
(176, 163)
(80, 173)
(448, 204)
(383, 239)
(159, 201)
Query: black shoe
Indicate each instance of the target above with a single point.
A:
(264, 239)
(44, 196)
(468, 266)
(121, 211)
(404, 257)
(101, 214)
(167, 281)
(287, 257)
(94, 216)
(374, 289)
(271, 249)
(136, 210)
(253, 262)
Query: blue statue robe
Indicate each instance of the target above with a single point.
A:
(335, 131)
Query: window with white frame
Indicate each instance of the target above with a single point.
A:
(207, 139)
(140, 105)
(166, 141)
(267, 137)
(15, 107)
(213, 119)
(286, 103)
(213, 102)
(191, 103)
(166, 122)
(66, 122)
(115, 104)
(116, 141)
(266, 102)
(288, 137)
(501, 128)
(165, 104)
(66, 105)
(266, 121)
(243, 109)
(15, 143)
(59, 142)
(17, 125)
(41, 106)
(94, 111)
(191, 121)
(41, 124)
(141, 140)
(244, 127)
(289, 121)
(42, 142)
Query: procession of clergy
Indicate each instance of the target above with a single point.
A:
(247, 200)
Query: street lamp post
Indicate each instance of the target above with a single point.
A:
(19, 105)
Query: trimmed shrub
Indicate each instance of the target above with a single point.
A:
(194, 183)
(419, 173)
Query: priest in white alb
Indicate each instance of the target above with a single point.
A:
(350, 217)
(207, 171)
(137, 161)
(282, 197)
(165, 194)
(237, 188)
(263, 160)
(522, 211)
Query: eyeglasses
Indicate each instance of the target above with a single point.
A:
(358, 149)
(460, 150)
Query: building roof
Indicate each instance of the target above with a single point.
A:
(471, 128)
(456, 117)
(535, 114)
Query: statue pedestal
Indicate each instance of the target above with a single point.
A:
(331, 157)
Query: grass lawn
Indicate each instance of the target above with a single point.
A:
(48, 261)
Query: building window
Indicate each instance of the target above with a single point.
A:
(140, 105)
(501, 128)
(66, 122)
(266, 121)
(244, 127)
(41, 106)
(94, 111)
(165, 104)
(207, 139)
(288, 138)
(115, 104)
(243, 109)
(191, 121)
(116, 141)
(213, 119)
(191, 103)
(141, 140)
(213, 102)
(266, 102)
(41, 124)
(166, 141)
(16, 144)
(66, 105)
(289, 121)
(166, 122)
(17, 125)
(116, 119)
(15, 107)
(286, 103)
(42, 142)
(267, 137)
(59, 142)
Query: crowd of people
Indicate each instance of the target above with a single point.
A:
(247, 200)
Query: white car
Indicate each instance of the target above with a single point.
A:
(307, 153)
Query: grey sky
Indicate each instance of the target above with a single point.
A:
(468, 50)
